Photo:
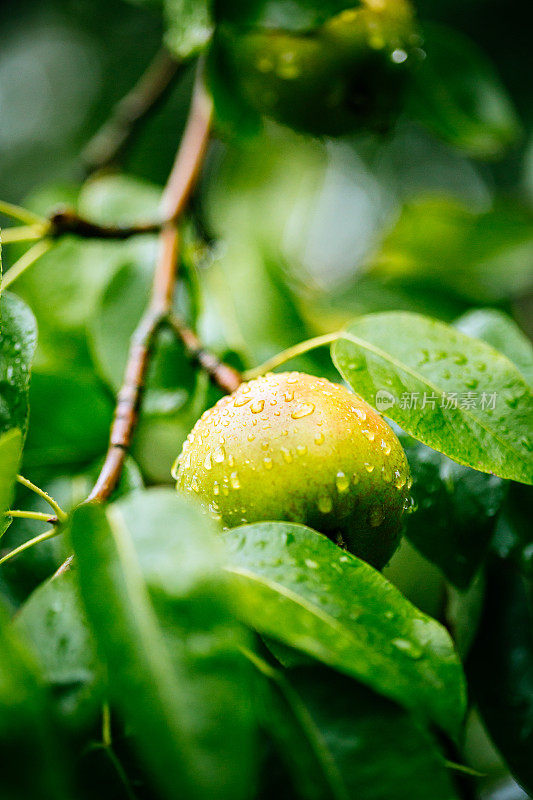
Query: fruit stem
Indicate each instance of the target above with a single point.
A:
(23, 233)
(61, 515)
(292, 352)
(40, 515)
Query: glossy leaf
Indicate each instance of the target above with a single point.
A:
(499, 330)
(10, 448)
(500, 669)
(297, 586)
(456, 510)
(169, 638)
(455, 394)
(53, 621)
(18, 337)
(341, 741)
(458, 95)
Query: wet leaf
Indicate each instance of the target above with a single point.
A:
(295, 585)
(18, 337)
(170, 640)
(455, 394)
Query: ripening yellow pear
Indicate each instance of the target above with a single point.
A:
(291, 446)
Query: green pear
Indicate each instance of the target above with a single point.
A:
(291, 446)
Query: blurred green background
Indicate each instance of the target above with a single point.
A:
(342, 216)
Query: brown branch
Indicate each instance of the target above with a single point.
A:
(175, 196)
(223, 375)
(107, 144)
(68, 221)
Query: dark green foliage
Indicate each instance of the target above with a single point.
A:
(501, 667)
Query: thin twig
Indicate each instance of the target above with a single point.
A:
(107, 144)
(179, 186)
(223, 375)
(68, 221)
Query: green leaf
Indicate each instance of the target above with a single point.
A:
(341, 741)
(70, 420)
(10, 449)
(482, 256)
(500, 669)
(53, 622)
(297, 586)
(169, 639)
(456, 510)
(458, 95)
(18, 337)
(413, 368)
(189, 26)
(28, 742)
(499, 330)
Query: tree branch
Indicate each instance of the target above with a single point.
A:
(68, 221)
(108, 142)
(225, 377)
(175, 196)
